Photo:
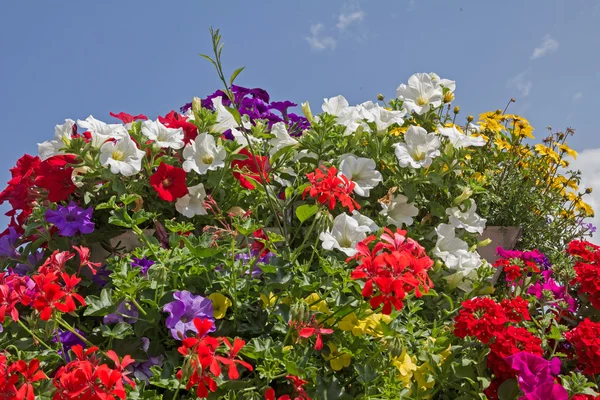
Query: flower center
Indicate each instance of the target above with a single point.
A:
(421, 101)
(118, 155)
(207, 159)
(167, 182)
(345, 242)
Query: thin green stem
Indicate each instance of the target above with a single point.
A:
(34, 335)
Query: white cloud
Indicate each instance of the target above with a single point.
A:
(346, 19)
(548, 46)
(588, 162)
(522, 83)
(577, 96)
(318, 41)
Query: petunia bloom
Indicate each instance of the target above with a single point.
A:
(419, 150)
(123, 157)
(169, 182)
(362, 171)
(184, 309)
(71, 219)
(203, 154)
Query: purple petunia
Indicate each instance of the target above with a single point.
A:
(141, 369)
(124, 310)
(68, 339)
(143, 263)
(102, 276)
(534, 255)
(8, 242)
(536, 376)
(184, 309)
(71, 219)
(558, 291)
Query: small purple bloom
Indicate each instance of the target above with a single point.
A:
(185, 107)
(71, 219)
(102, 276)
(535, 376)
(143, 263)
(125, 308)
(68, 339)
(33, 261)
(184, 309)
(8, 242)
(141, 369)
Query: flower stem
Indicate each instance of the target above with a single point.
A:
(34, 335)
(68, 327)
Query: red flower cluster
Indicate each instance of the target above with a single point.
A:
(508, 342)
(175, 120)
(86, 378)
(328, 187)
(251, 170)
(515, 271)
(585, 397)
(586, 340)
(392, 267)
(299, 391)
(587, 268)
(30, 178)
(169, 182)
(10, 377)
(311, 328)
(204, 362)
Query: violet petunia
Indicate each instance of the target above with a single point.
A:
(126, 312)
(141, 369)
(184, 309)
(8, 242)
(67, 340)
(71, 219)
(143, 263)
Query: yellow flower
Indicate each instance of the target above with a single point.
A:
(405, 365)
(491, 121)
(572, 196)
(423, 378)
(316, 304)
(580, 205)
(350, 322)
(398, 131)
(268, 301)
(373, 324)
(547, 152)
(336, 359)
(220, 305)
(569, 151)
(502, 144)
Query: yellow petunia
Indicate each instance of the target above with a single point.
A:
(336, 359)
(220, 305)
(317, 304)
(350, 322)
(405, 365)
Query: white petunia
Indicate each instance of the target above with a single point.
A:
(447, 242)
(192, 204)
(335, 105)
(346, 232)
(282, 138)
(239, 138)
(62, 138)
(444, 83)
(421, 93)
(459, 139)
(362, 171)
(203, 154)
(399, 211)
(363, 220)
(465, 265)
(420, 148)
(101, 131)
(225, 119)
(382, 118)
(122, 156)
(468, 220)
(161, 135)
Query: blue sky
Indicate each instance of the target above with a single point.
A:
(70, 59)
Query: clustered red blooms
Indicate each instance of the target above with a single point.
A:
(328, 187)
(490, 323)
(586, 340)
(299, 392)
(587, 268)
(50, 289)
(311, 328)
(11, 386)
(514, 270)
(33, 180)
(585, 397)
(392, 268)
(169, 182)
(250, 170)
(204, 362)
(86, 378)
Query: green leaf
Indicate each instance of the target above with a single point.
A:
(305, 211)
(119, 331)
(235, 74)
(366, 374)
(509, 390)
(98, 306)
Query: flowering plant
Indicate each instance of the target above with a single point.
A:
(236, 249)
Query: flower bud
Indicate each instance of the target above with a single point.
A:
(380, 97)
(236, 211)
(588, 190)
(456, 110)
(396, 347)
(484, 243)
(448, 97)
(467, 192)
(196, 104)
(307, 112)
(470, 118)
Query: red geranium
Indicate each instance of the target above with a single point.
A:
(311, 328)
(31, 374)
(169, 182)
(250, 170)
(508, 342)
(516, 309)
(480, 317)
(327, 187)
(55, 176)
(586, 340)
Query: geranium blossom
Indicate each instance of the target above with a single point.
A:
(421, 93)
(361, 171)
(122, 156)
(328, 187)
(419, 150)
(203, 154)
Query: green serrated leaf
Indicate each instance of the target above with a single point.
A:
(306, 211)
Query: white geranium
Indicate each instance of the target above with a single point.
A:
(459, 139)
(399, 211)
(192, 204)
(122, 156)
(447, 242)
(362, 171)
(203, 154)
(225, 119)
(161, 135)
(101, 131)
(420, 148)
(282, 138)
(421, 93)
(468, 220)
(62, 138)
(346, 232)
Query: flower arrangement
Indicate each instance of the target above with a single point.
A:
(279, 256)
